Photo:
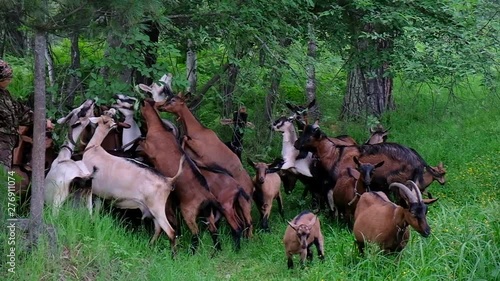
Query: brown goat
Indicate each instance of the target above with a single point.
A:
(235, 202)
(430, 174)
(401, 163)
(267, 188)
(347, 190)
(191, 189)
(303, 231)
(203, 145)
(21, 158)
(380, 221)
(377, 135)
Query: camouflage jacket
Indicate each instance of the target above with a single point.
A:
(13, 114)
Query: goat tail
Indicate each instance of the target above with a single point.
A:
(240, 203)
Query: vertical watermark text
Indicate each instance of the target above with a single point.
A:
(11, 222)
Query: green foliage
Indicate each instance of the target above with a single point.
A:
(463, 133)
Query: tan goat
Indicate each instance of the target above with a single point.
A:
(303, 231)
(267, 188)
(132, 185)
(378, 220)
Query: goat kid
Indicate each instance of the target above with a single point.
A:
(132, 185)
(267, 188)
(301, 233)
(379, 220)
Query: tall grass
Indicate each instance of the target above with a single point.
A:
(463, 132)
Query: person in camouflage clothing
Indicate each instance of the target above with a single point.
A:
(12, 114)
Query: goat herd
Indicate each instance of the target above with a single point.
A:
(157, 170)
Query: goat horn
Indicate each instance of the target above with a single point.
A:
(410, 195)
(416, 189)
(70, 136)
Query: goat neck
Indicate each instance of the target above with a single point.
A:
(327, 152)
(100, 133)
(132, 133)
(190, 123)
(290, 135)
(152, 118)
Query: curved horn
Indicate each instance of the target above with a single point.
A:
(415, 188)
(70, 136)
(371, 130)
(410, 195)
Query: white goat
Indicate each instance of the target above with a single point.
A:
(64, 170)
(288, 151)
(132, 185)
(125, 105)
(158, 90)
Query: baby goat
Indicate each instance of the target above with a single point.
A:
(267, 188)
(380, 221)
(301, 233)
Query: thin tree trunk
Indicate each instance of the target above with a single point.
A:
(228, 89)
(50, 66)
(38, 153)
(191, 68)
(74, 83)
(311, 75)
(272, 94)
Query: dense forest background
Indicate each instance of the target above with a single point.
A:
(428, 68)
(253, 53)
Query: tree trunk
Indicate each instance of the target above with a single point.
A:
(368, 93)
(153, 32)
(369, 89)
(228, 89)
(14, 36)
(311, 75)
(74, 82)
(191, 68)
(275, 78)
(38, 153)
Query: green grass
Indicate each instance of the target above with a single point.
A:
(464, 245)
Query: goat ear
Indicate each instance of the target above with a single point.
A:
(379, 164)
(356, 161)
(292, 225)
(353, 173)
(94, 119)
(440, 165)
(145, 88)
(26, 139)
(290, 106)
(312, 223)
(430, 201)
(250, 162)
(61, 120)
(316, 123)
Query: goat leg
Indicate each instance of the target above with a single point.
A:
(195, 241)
(290, 262)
